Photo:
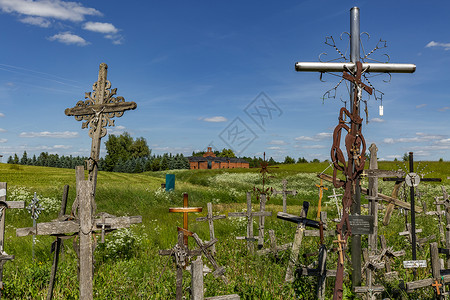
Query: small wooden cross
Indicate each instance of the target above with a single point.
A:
(103, 225)
(181, 255)
(4, 205)
(284, 192)
(274, 248)
(249, 214)
(437, 286)
(321, 188)
(340, 242)
(97, 112)
(210, 218)
(185, 210)
(387, 254)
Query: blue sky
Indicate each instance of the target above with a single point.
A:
(198, 70)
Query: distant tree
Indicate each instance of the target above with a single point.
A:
(226, 153)
(24, 159)
(16, 159)
(405, 157)
(164, 163)
(302, 160)
(441, 159)
(139, 148)
(315, 160)
(10, 160)
(289, 160)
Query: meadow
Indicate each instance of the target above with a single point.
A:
(128, 266)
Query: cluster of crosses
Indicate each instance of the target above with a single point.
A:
(102, 105)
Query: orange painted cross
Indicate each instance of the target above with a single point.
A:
(185, 210)
(321, 188)
(437, 286)
(340, 249)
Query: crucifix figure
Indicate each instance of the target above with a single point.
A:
(34, 208)
(354, 141)
(284, 192)
(185, 210)
(97, 113)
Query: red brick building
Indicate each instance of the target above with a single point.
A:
(210, 161)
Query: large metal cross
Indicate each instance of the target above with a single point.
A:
(97, 112)
(354, 141)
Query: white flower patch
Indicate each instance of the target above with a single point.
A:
(49, 205)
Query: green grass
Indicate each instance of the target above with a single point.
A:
(128, 265)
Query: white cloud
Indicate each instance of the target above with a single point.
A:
(2, 130)
(3, 140)
(68, 38)
(314, 147)
(215, 119)
(61, 135)
(419, 138)
(100, 27)
(57, 9)
(446, 46)
(317, 137)
(377, 120)
(421, 105)
(2, 115)
(38, 21)
(277, 142)
(118, 130)
(274, 148)
(444, 108)
(61, 147)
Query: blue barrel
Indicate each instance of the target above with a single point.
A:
(170, 182)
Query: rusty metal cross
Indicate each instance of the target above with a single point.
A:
(185, 210)
(97, 112)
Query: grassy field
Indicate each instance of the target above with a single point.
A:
(128, 266)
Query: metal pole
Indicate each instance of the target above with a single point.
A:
(413, 213)
(356, 207)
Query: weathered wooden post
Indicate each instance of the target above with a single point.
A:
(354, 141)
(185, 210)
(56, 246)
(321, 188)
(4, 205)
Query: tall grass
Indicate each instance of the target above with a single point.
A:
(128, 265)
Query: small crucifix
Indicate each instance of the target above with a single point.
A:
(185, 210)
(97, 113)
(34, 208)
(284, 192)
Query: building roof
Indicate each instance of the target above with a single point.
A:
(217, 159)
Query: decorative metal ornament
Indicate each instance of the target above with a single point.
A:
(34, 208)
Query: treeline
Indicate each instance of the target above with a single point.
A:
(131, 165)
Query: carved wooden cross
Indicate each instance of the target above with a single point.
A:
(96, 112)
(321, 188)
(4, 205)
(185, 210)
(84, 227)
(284, 192)
(274, 248)
(249, 214)
(210, 218)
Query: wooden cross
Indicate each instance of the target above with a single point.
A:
(274, 248)
(321, 188)
(181, 255)
(336, 200)
(4, 205)
(340, 242)
(387, 254)
(284, 192)
(97, 113)
(210, 218)
(371, 263)
(412, 180)
(185, 210)
(301, 222)
(249, 214)
(84, 227)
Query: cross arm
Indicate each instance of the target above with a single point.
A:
(15, 204)
(421, 179)
(81, 110)
(63, 227)
(341, 67)
(297, 219)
